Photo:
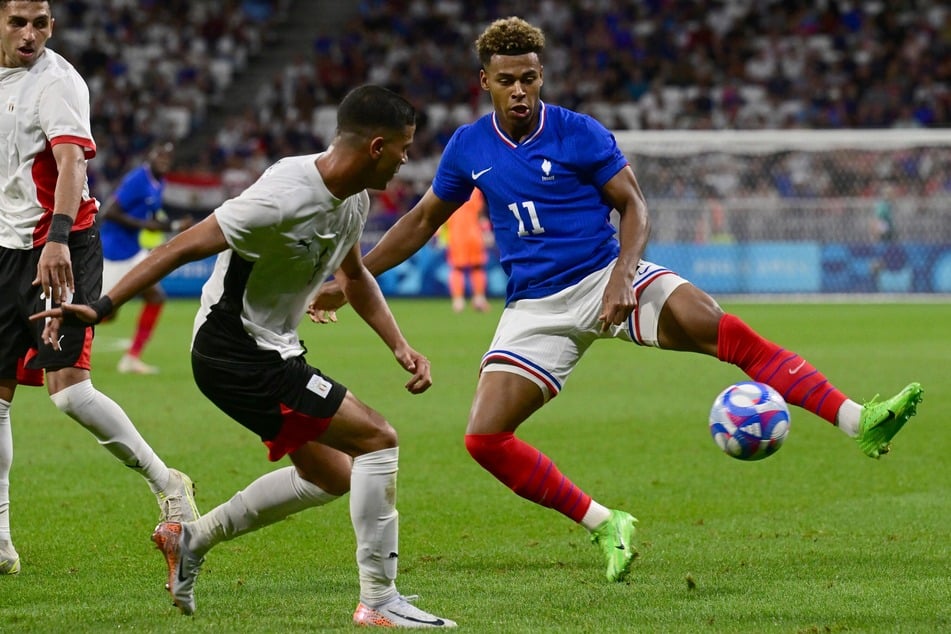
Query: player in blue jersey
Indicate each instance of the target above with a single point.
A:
(135, 207)
(551, 178)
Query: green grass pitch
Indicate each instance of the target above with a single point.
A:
(817, 538)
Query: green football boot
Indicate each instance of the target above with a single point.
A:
(880, 421)
(614, 536)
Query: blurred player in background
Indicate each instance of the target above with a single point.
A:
(135, 207)
(551, 178)
(300, 222)
(50, 252)
(467, 234)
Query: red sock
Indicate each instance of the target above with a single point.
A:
(143, 331)
(783, 370)
(528, 472)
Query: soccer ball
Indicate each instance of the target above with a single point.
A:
(749, 421)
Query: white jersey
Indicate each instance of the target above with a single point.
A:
(287, 235)
(40, 106)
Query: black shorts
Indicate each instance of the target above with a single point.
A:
(285, 402)
(19, 337)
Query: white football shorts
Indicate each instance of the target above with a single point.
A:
(114, 270)
(543, 339)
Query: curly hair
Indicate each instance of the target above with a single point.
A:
(509, 36)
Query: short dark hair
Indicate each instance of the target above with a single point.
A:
(4, 3)
(509, 36)
(370, 108)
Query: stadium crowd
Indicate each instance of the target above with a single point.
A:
(653, 64)
(155, 68)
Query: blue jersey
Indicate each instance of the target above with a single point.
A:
(551, 225)
(140, 196)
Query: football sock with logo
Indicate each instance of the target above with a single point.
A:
(785, 371)
(6, 462)
(269, 499)
(109, 424)
(146, 324)
(528, 472)
(375, 523)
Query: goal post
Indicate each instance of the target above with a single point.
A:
(799, 211)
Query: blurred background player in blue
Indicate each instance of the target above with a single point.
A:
(135, 207)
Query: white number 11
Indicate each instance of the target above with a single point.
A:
(529, 208)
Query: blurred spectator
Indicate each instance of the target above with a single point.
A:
(155, 67)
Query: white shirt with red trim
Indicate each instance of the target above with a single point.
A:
(40, 106)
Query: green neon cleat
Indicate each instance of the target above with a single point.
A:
(614, 537)
(880, 421)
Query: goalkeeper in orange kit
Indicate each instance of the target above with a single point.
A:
(467, 236)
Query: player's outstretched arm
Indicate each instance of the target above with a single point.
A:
(410, 233)
(364, 295)
(198, 242)
(402, 240)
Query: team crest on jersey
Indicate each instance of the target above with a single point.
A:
(546, 171)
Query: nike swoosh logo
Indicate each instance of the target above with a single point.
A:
(181, 569)
(798, 367)
(475, 175)
(415, 620)
(620, 542)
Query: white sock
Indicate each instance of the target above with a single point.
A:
(6, 461)
(847, 418)
(595, 516)
(267, 500)
(111, 426)
(375, 523)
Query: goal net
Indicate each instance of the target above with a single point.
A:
(799, 211)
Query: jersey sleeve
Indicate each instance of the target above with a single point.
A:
(64, 113)
(451, 182)
(248, 223)
(599, 153)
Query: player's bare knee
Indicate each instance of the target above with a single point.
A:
(374, 434)
(385, 437)
(689, 321)
(71, 398)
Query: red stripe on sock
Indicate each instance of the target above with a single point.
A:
(785, 371)
(528, 472)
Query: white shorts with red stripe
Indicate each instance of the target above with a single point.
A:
(543, 339)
